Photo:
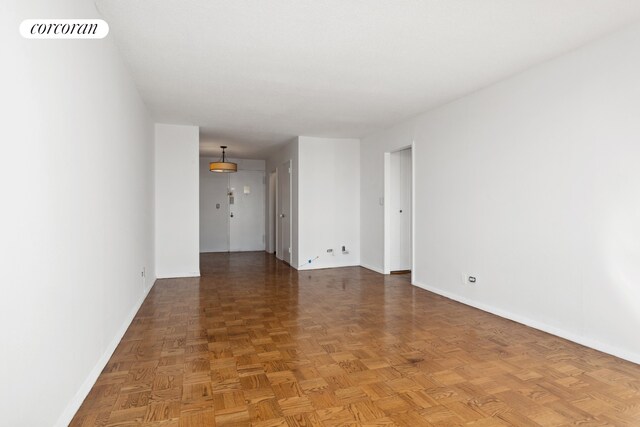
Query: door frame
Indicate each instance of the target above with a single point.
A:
(289, 165)
(387, 209)
(272, 206)
(277, 225)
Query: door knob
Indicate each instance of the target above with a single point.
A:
(231, 214)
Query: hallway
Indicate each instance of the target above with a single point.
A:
(254, 342)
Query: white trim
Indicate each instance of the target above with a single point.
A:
(272, 212)
(413, 209)
(372, 268)
(308, 267)
(277, 227)
(180, 275)
(75, 403)
(553, 330)
(290, 163)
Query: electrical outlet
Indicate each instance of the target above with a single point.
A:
(466, 279)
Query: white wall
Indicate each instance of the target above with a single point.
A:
(212, 221)
(76, 178)
(288, 151)
(177, 201)
(372, 149)
(325, 200)
(533, 186)
(329, 202)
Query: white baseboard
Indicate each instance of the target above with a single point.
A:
(307, 266)
(85, 388)
(372, 268)
(179, 275)
(579, 339)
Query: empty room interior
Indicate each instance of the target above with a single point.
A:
(320, 213)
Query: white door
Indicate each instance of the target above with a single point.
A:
(272, 215)
(400, 210)
(214, 212)
(246, 211)
(284, 212)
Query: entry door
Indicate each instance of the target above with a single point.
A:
(214, 212)
(246, 211)
(284, 212)
(401, 210)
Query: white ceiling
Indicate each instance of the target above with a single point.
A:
(254, 73)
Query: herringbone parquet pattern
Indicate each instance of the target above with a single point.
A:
(254, 342)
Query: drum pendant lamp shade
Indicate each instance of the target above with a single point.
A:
(223, 165)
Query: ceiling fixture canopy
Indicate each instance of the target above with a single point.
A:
(223, 165)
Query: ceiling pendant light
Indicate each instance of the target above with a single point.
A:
(223, 165)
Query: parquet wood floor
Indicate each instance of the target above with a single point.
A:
(255, 343)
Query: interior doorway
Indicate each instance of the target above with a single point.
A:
(232, 212)
(398, 211)
(271, 214)
(283, 203)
